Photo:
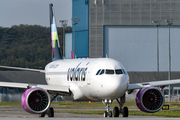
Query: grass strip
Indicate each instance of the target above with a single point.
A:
(10, 104)
(130, 104)
(82, 112)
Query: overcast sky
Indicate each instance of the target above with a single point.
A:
(31, 12)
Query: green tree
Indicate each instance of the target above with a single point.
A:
(27, 46)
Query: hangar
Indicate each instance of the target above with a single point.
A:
(123, 30)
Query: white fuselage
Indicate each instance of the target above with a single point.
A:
(89, 79)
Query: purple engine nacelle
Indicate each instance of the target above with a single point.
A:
(149, 99)
(35, 100)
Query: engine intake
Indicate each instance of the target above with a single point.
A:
(149, 99)
(35, 100)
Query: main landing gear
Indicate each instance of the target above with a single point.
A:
(50, 111)
(123, 111)
(116, 110)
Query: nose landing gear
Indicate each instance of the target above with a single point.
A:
(107, 112)
(116, 110)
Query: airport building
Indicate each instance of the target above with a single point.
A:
(123, 30)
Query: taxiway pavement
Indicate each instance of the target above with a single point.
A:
(19, 113)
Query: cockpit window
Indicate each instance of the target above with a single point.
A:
(124, 72)
(102, 72)
(98, 72)
(119, 71)
(109, 71)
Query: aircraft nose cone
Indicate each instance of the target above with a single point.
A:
(111, 86)
(118, 87)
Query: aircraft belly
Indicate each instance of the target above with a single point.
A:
(78, 91)
(89, 92)
(81, 92)
(71, 98)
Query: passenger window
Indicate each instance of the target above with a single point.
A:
(119, 71)
(109, 71)
(102, 72)
(98, 72)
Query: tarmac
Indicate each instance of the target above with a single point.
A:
(19, 113)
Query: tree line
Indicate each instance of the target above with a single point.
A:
(27, 46)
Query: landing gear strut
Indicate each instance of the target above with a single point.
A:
(123, 111)
(107, 112)
(50, 111)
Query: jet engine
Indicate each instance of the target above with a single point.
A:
(149, 99)
(35, 100)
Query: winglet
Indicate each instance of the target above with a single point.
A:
(56, 55)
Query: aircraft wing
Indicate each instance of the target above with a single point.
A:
(23, 69)
(53, 89)
(155, 84)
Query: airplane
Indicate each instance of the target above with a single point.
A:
(92, 79)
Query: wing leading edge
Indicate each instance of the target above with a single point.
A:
(155, 84)
(23, 69)
(53, 89)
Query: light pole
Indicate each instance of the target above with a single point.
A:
(64, 24)
(169, 23)
(157, 24)
(74, 22)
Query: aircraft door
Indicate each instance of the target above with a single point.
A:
(89, 72)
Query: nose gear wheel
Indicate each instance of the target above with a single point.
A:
(107, 112)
